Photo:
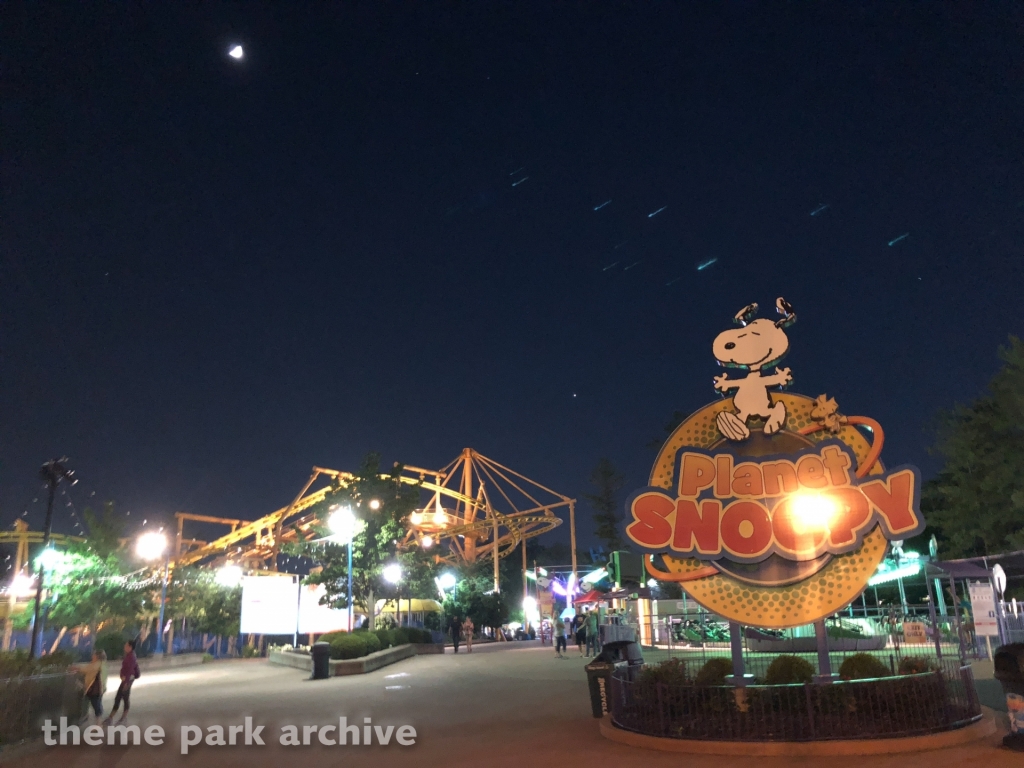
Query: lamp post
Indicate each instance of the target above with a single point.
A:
(149, 547)
(345, 527)
(52, 473)
(393, 575)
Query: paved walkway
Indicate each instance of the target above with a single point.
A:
(504, 705)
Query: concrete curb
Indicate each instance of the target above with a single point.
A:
(154, 663)
(982, 729)
(360, 666)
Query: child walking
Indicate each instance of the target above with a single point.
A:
(129, 674)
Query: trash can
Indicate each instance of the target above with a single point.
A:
(321, 660)
(621, 654)
(599, 677)
(623, 651)
(1009, 670)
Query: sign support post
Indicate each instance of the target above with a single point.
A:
(824, 661)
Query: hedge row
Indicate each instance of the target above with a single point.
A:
(362, 642)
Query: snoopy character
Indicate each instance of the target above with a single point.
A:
(755, 346)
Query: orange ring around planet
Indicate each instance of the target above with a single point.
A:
(837, 584)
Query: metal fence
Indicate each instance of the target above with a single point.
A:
(861, 709)
(26, 702)
(686, 637)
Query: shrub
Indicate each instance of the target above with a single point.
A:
(372, 642)
(207, 657)
(249, 651)
(714, 671)
(786, 670)
(328, 637)
(349, 646)
(862, 666)
(914, 665)
(388, 637)
(16, 663)
(112, 642)
(417, 635)
(669, 672)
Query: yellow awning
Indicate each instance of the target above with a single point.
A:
(415, 605)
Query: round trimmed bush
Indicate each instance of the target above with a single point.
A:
(714, 671)
(373, 642)
(787, 670)
(914, 665)
(862, 666)
(422, 636)
(670, 672)
(401, 635)
(350, 646)
(388, 637)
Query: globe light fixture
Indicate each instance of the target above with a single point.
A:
(22, 585)
(428, 542)
(229, 575)
(47, 559)
(392, 573)
(151, 546)
(446, 580)
(343, 524)
(416, 518)
(374, 504)
(236, 52)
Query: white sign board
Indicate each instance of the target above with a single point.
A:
(315, 618)
(270, 605)
(914, 632)
(983, 608)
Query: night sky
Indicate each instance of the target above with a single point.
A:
(377, 231)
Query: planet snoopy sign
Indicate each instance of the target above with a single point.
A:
(770, 508)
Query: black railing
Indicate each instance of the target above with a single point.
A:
(26, 702)
(858, 709)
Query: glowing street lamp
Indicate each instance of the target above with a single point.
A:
(151, 546)
(229, 575)
(345, 527)
(447, 580)
(374, 504)
(22, 585)
(392, 573)
(236, 53)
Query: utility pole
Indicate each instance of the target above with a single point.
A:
(52, 473)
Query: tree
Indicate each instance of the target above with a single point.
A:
(195, 595)
(104, 533)
(374, 547)
(473, 596)
(976, 503)
(85, 590)
(607, 482)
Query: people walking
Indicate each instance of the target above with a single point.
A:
(455, 628)
(467, 630)
(559, 637)
(129, 674)
(579, 624)
(95, 679)
(593, 643)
